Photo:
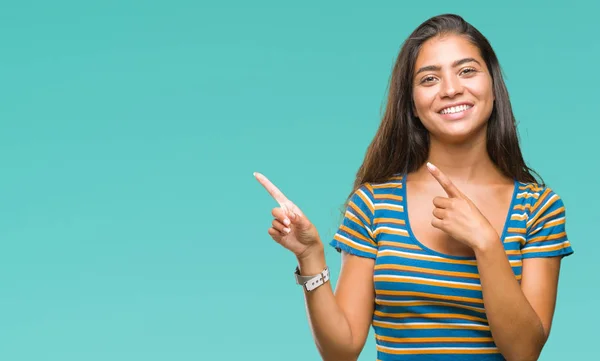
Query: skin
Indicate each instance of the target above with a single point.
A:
(439, 82)
(456, 207)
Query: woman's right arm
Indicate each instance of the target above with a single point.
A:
(339, 322)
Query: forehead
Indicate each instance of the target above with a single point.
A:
(443, 50)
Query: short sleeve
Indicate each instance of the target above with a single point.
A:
(355, 235)
(546, 228)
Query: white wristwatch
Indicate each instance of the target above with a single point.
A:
(312, 282)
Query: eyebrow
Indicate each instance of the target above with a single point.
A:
(438, 68)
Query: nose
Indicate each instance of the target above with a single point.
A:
(451, 86)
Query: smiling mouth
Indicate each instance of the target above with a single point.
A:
(456, 109)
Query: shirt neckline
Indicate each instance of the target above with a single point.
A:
(445, 255)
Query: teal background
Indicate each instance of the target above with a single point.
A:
(131, 227)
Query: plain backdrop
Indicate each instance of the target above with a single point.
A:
(131, 227)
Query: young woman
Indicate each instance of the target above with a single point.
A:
(450, 247)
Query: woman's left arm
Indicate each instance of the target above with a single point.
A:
(520, 316)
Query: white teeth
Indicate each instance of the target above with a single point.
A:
(460, 108)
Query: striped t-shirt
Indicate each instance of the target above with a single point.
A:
(429, 305)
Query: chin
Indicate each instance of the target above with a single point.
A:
(460, 134)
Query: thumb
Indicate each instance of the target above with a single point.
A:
(298, 220)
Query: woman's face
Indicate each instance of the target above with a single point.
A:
(452, 89)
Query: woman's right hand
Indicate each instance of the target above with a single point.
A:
(290, 227)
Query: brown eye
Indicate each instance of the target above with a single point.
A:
(427, 79)
(468, 71)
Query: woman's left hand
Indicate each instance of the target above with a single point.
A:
(458, 216)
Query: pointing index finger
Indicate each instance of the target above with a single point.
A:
(273, 191)
(444, 181)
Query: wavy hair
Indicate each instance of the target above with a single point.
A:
(401, 144)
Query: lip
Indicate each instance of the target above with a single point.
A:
(459, 115)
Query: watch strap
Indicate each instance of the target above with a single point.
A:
(312, 282)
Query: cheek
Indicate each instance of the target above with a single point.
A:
(484, 90)
(421, 101)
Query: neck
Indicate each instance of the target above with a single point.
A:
(463, 163)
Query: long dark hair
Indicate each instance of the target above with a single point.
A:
(401, 144)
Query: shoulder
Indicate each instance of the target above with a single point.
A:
(546, 198)
(541, 202)
(387, 191)
(379, 189)
(371, 196)
(546, 233)
(536, 193)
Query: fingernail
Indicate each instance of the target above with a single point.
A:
(286, 222)
(430, 166)
(286, 230)
(292, 215)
